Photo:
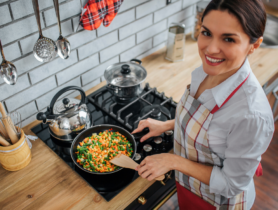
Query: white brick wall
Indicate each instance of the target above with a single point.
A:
(137, 50)
(138, 30)
(135, 26)
(98, 44)
(151, 31)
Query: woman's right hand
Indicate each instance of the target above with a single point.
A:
(156, 128)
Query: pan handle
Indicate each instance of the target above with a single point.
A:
(139, 135)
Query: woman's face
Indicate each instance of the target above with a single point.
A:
(223, 45)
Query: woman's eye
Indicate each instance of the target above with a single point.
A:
(205, 33)
(229, 40)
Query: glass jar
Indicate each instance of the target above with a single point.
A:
(200, 8)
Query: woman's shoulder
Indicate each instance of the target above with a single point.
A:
(251, 100)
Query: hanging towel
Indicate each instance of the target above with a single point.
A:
(94, 14)
(98, 11)
(113, 7)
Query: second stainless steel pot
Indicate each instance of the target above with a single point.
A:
(126, 79)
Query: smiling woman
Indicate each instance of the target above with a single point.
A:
(224, 122)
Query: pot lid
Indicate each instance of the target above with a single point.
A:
(66, 104)
(125, 74)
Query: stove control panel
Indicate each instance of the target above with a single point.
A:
(154, 145)
(168, 135)
(157, 143)
(147, 148)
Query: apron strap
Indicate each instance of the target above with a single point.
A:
(216, 108)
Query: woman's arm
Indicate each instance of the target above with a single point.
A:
(156, 127)
(246, 142)
(156, 165)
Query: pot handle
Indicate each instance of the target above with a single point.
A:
(54, 99)
(136, 60)
(110, 87)
(139, 135)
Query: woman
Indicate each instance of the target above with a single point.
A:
(224, 122)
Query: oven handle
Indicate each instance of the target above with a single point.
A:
(165, 199)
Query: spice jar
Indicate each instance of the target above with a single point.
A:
(200, 8)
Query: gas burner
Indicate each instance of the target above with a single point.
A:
(122, 101)
(62, 147)
(157, 112)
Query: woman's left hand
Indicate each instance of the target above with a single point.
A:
(155, 165)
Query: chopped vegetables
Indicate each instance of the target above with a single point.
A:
(94, 152)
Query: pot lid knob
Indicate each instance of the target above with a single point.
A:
(125, 69)
(66, 102)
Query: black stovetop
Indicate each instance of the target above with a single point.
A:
(106, 109)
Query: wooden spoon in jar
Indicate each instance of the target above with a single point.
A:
(9, 127)
(3, 131)
(126, 162)
(4, 142)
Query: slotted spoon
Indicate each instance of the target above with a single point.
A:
(45, 49)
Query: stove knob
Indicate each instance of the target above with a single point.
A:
(168, 136)
(142, 200)
(147, 149)
(157, 143)
(137, 157)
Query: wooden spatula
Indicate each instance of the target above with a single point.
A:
(3, 131)
(9, 128)
(4, 142)
(126, 162)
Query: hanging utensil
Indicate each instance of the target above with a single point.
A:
(8, 125)
(45, 49)
(7, 69)
(126, 162)
(62, 43)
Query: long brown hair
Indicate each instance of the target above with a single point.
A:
(250, 13)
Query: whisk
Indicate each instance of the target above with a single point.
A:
(15, 122)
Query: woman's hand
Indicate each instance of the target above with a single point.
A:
(156, 127)
(155, 166)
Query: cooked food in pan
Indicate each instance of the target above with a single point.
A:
(94, 152)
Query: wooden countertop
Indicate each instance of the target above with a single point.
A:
(49, 183)
(271, 10)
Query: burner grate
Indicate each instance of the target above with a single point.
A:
(101, 102)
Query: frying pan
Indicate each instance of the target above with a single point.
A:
(100, 128)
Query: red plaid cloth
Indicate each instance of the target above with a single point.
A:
(113, 7)
(98, 11)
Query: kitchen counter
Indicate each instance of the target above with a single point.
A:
(49, 183)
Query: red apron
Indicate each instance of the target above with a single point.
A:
(192, 194)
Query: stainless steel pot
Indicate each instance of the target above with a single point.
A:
(126, 79)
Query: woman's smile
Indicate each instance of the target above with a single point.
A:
(212, 61)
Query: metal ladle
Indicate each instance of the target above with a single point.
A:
(45, 49)
(7, 69)
(62, 43)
